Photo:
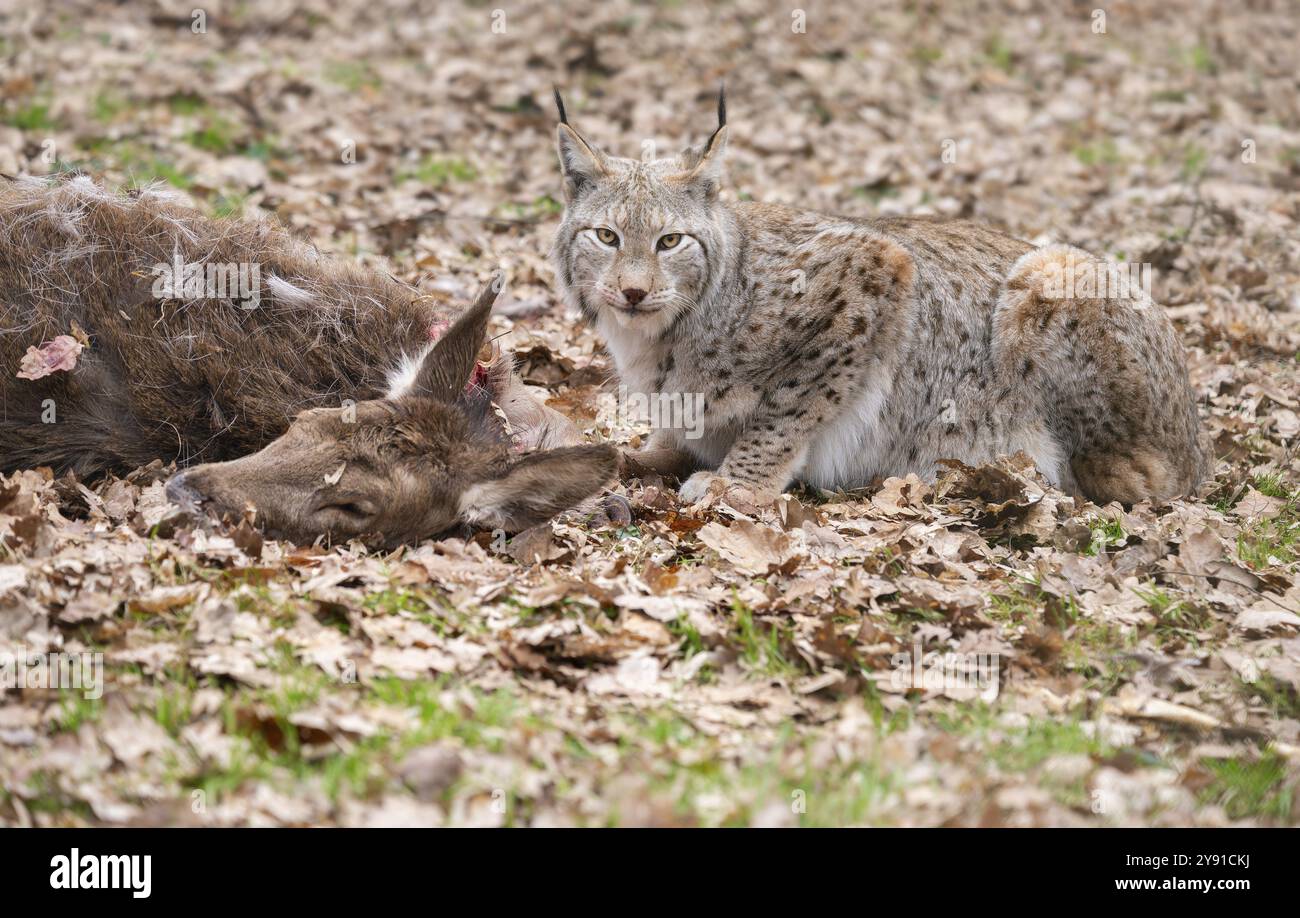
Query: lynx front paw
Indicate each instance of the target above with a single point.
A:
(702, 484)
(696, 488)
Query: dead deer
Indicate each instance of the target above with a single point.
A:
(319, 398)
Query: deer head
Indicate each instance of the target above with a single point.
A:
(410, 466)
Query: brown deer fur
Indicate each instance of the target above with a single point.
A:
(389, 440)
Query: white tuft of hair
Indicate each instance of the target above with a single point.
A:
(401, 379)
(289, 294)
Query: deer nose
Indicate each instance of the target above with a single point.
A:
(180, 490)
(633, 295)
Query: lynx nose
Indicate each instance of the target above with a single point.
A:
(633, 295)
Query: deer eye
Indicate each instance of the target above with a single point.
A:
(607, 236)
(669, 241)
(354, 509)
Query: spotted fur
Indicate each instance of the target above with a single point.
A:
(836, 351)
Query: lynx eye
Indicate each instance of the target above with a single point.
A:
(607, 236)
(669, 241)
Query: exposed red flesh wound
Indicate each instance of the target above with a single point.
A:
(480, 377)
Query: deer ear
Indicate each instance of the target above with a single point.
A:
(448, 365)
(539, 486)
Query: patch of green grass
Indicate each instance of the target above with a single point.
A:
(886, 721)
(395, 600)
(174, 707)
(1103, 152)
(1013, 608)
(877, 192)
(1281, 698)
(188, 104)
(999, 53)
(34, 116)
(1025, 748)
(1201, 60)
(259, 599)
(215, 134)
(352, 75)
(1271, 540)
(107, 105)
(143, 166)
(43, 794)
(433, 609)
(1099, 650)
(1271, 484)
(1174, 617)
(910, 614)
(1250, 789)
(1223, 500)
(1195, 160)
(1106, 534)
(539, 208)
(76, 709)
(439, 170)
(228, 205)
(706, 785)
(264, 150)
(691, 640)
(483, 724)
(760, 646)
(925, 55)
(282, 756)
(243, 765)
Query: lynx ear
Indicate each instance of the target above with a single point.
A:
(539, 486)
(448, 365)
(581, 164)
(704, 166)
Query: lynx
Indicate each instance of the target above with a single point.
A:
(322, 402)
(836, 350)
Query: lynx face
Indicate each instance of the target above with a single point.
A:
(638, 242)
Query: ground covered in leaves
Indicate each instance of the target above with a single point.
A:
(724, 664)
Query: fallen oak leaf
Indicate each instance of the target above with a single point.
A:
(751, 547)
(1263, 620)
(1158, 709)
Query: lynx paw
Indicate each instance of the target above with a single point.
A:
(700, 485)
(696, 488)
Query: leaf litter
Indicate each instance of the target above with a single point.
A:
(815, 661)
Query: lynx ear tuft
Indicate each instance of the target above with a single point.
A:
(559, 104)
(702, 166)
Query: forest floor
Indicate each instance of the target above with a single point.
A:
(983, 650)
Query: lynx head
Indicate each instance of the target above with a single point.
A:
(641, 240)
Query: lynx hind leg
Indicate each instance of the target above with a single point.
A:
(1103, 366)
